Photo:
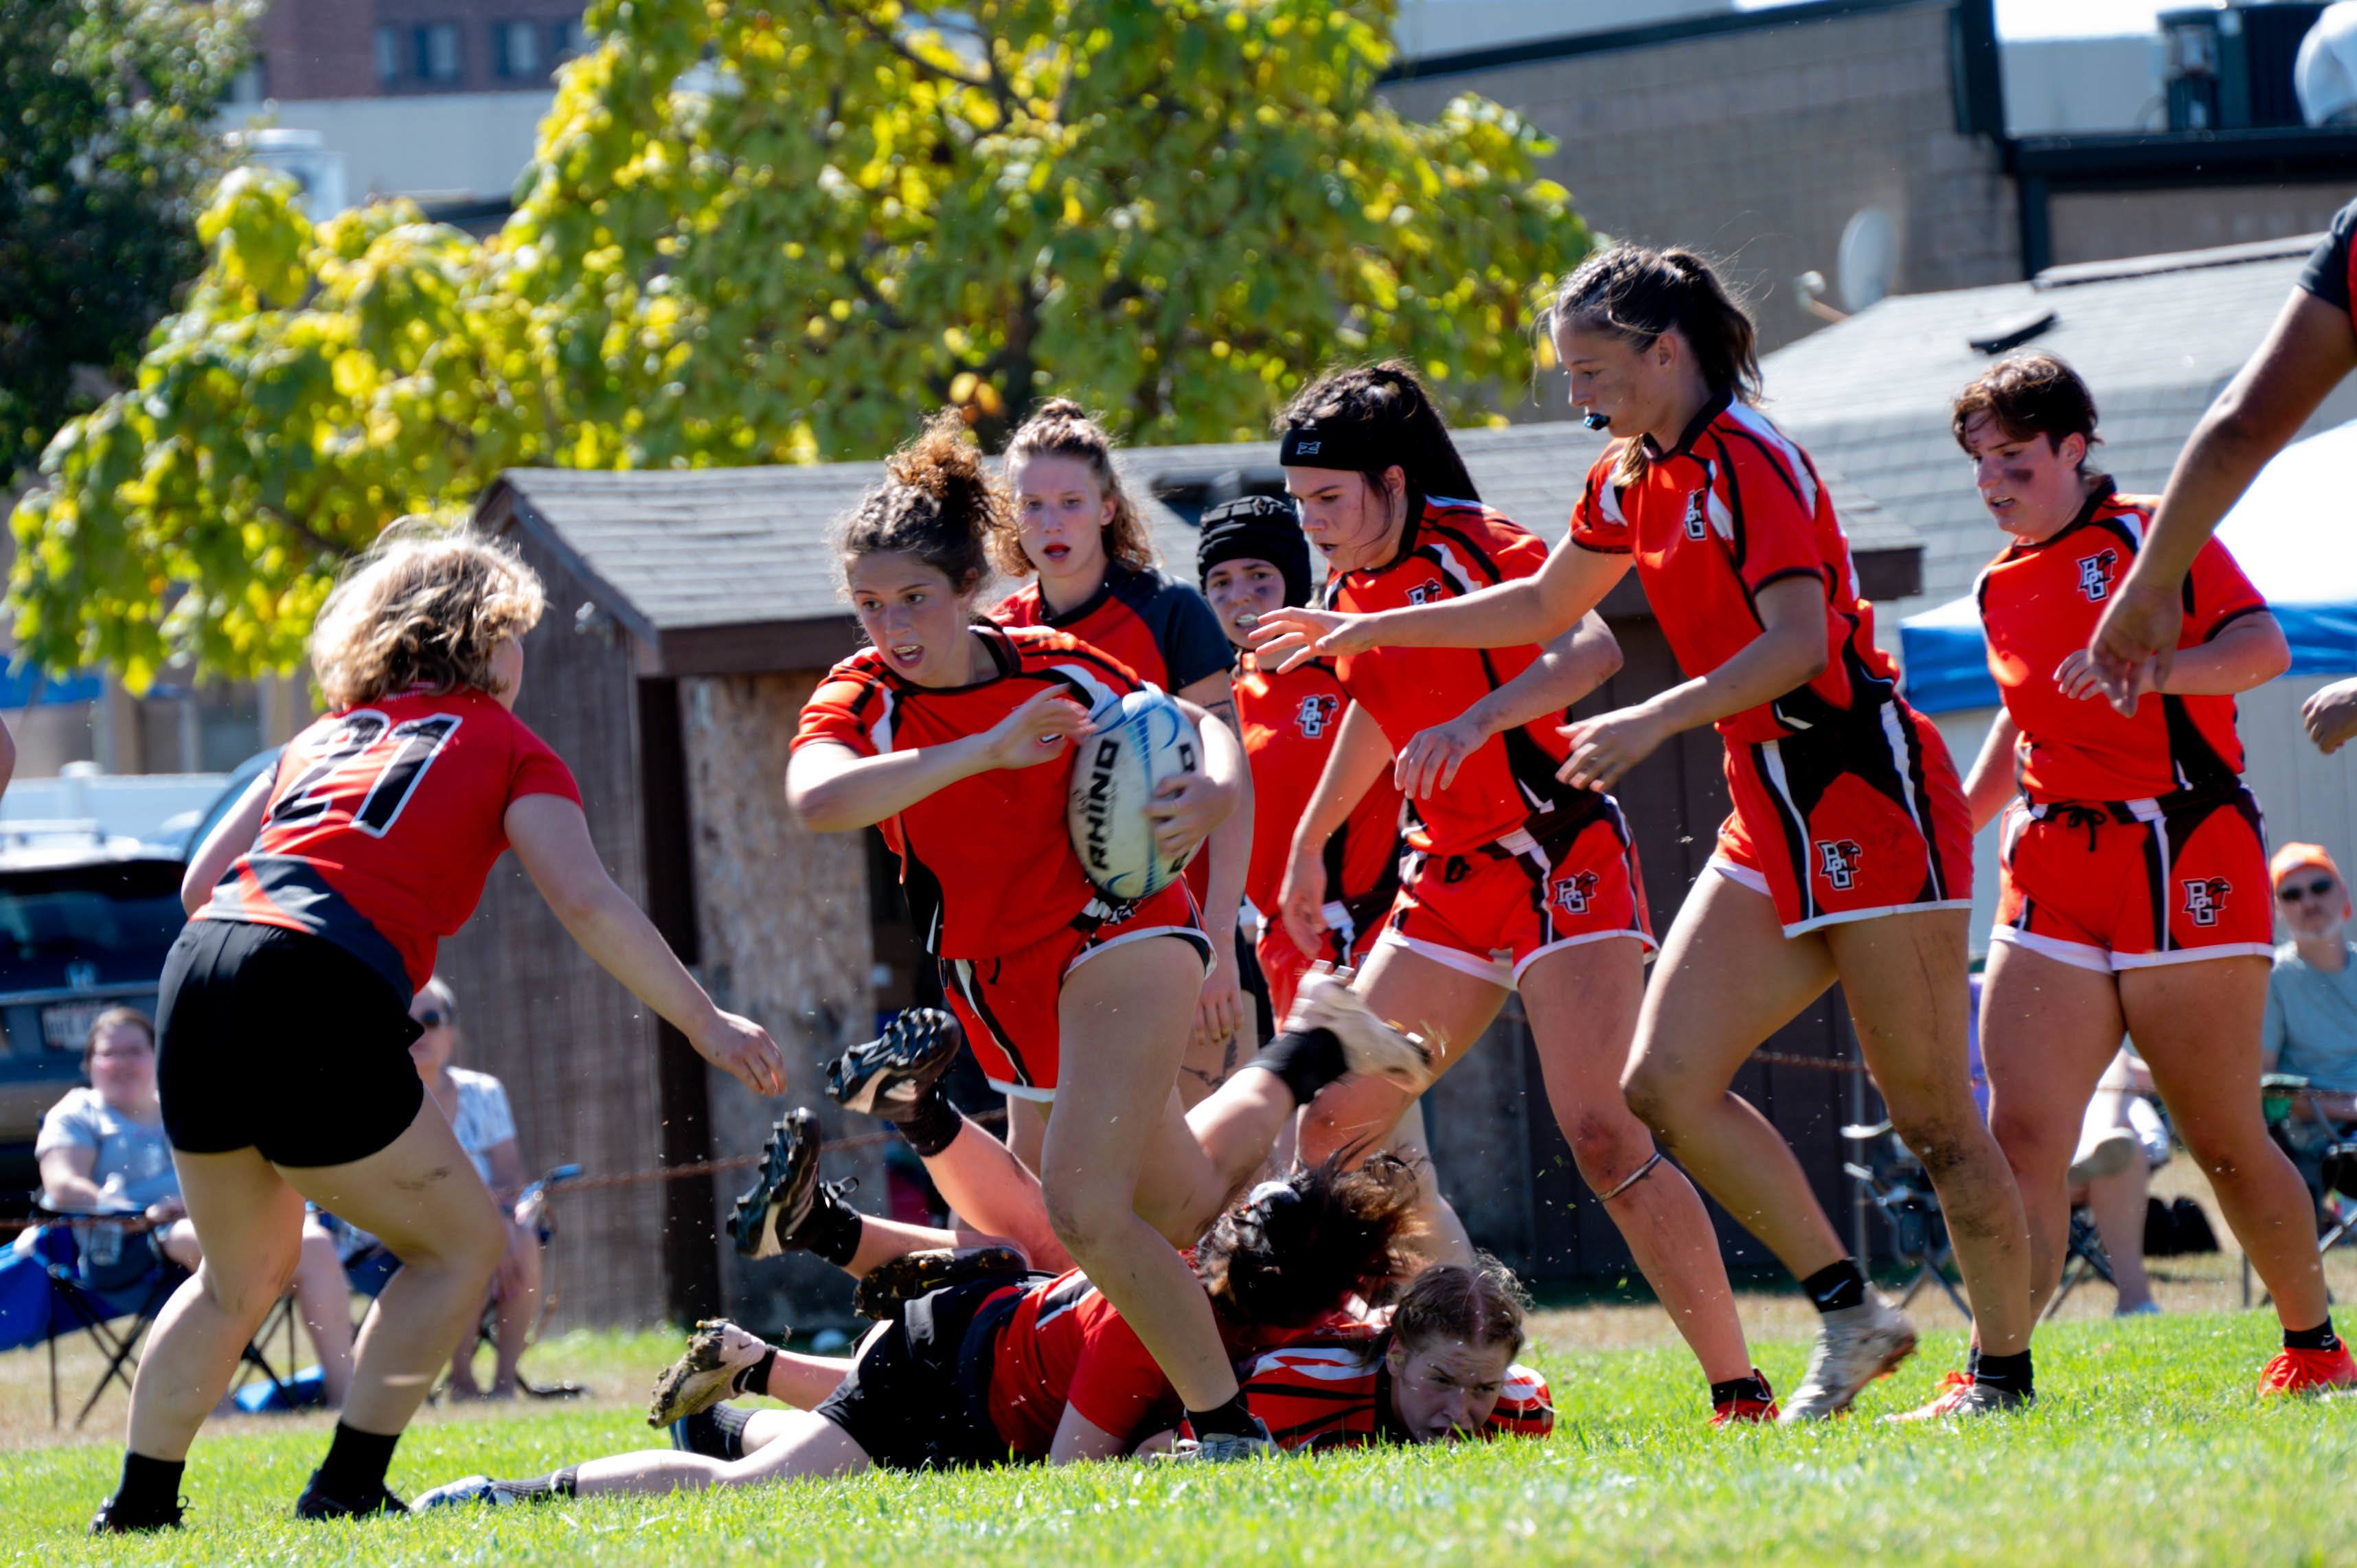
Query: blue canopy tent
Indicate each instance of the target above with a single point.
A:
(2294, 533)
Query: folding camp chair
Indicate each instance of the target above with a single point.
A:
(2086, 1260)
(81, 1306)
(1902, 1194)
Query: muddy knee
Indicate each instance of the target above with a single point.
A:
(1084, 1214)
(1608, 1149)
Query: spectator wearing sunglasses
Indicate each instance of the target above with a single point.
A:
(2311, 1024)
(477, 1105)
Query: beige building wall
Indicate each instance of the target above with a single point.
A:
(1758, 146)
(2106, 225)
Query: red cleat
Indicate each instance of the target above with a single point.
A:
(2309, 1371)
(1755, 1407)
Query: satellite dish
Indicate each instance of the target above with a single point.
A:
(2325, 75)
(1867, 261)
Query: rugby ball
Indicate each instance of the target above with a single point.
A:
(1141, 739)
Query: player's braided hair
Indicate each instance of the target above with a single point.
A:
(426, 606)
(936, 503)
(1387, 406)
(1480, 1304)
(1293, 1252)
(1063, 428)
(1638, 294)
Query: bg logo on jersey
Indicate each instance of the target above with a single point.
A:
(1838, 863)
(2205, 897)
(1426, 594)
(1316, 713)
(2095, 575)
(1573, 893)
(1697, 522)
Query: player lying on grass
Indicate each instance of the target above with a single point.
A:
(1012, 1367)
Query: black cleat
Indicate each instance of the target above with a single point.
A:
(886, 1076)
(317, 1504)
(113, 1519)
(905, 1278)
(781, 1197)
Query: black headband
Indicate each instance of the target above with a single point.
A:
(1353, 446)
(1256, 528)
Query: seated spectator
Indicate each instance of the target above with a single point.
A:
(2312, 1021)
(2122, 1142)
(478, 1108)
(103, 1151)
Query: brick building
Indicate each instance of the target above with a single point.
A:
(372, 48)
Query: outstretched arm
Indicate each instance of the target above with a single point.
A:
(1566, 669)
(551, 838)
(2311, 348)
(832, 788)
(1537, 608)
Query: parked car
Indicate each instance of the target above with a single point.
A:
(85, 923)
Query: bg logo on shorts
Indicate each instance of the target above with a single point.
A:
(1574, 892)
(1837, 862)
(2205, 897)
(1316, 713)
(2095, 575)
(1697, 523)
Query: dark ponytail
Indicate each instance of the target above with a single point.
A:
(936, 503)
(1299, 1248)
(1637, 294)
(1374, 417)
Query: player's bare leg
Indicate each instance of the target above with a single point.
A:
(1583, 1004)
(804, 1447)
(1124, 1014)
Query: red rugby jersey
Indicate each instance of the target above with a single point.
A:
(1162, 628)
(1450, 549)
(1732, 509)
(1065, 1345)
(987, 864)
(1334, 1391)
(2330, 273)
(1289, 722)
(384, 822)
(2039, 604)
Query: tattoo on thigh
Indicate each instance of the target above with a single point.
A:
(420, 1183)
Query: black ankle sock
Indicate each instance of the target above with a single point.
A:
(1306, 1059)
(546, 1489)
(1754, 1387)
(2010, 1373)
(1234, 1419)
(1973, 1362)
(2320, 1337)
(1836, 1287)
(150, 1488)
(755, 1378)
(831, 1228)
(931, 1124)
(354, 1468)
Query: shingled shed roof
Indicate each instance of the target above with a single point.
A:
(2156, 338)
(723, 571)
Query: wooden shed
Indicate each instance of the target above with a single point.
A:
(690, 616)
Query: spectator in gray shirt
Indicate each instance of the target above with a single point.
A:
(2311, 1023)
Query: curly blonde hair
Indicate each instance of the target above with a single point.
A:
(426, 606)
(1063, 428)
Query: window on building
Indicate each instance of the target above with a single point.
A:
(436, 45)
(388, 56)
(565, 39)
(515, 50)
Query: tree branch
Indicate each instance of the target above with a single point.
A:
(990, 82)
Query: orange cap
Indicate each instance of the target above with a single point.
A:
(2292, 856)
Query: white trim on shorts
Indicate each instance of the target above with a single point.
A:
(1528, 959)
(1194, 937)
(1497, 971)
(1021, 1092)
(2086, 955)
(1744, 876)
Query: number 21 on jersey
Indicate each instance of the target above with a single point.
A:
(381, 762)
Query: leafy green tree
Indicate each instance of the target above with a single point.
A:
(773, 233)
(108, 107)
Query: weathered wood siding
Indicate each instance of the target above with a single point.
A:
(575, 1051)
(783, 927)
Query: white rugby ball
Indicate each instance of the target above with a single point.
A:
(1141, 739)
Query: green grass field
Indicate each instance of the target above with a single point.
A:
(2149, 1449)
